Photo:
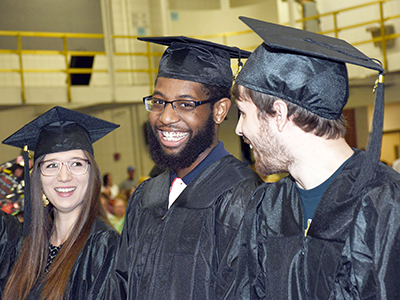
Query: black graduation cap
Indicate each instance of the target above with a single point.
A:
(57, 130)
(309, 70)
(197, 60)
(60, 129)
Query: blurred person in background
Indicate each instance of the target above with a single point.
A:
(109, 187)
(105, 201)
(117, 218)
(129, 184)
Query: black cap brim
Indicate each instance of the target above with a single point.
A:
(58, 116)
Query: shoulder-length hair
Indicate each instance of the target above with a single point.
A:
(28, 271)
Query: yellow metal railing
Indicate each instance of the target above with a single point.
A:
(65, 52)
(149, 54)
(383, 38)
(150, 70)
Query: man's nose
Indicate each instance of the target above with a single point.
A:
(169, 115)
(238, 129)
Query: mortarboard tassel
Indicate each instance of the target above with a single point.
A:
(27, 192)
(375, 139)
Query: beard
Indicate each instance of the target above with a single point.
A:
(196, 145)
(270, 156)
(268, 164)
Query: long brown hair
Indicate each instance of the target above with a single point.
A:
(29, 269)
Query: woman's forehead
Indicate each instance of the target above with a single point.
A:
(65, 155)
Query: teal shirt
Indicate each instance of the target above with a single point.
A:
(310, 198)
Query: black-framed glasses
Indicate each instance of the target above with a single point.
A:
(154, 104)
(76, 166)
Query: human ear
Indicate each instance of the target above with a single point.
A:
(281, 112)
(221, 109)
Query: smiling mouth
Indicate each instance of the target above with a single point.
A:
(65, 190)
(173, 136)
(248, 142)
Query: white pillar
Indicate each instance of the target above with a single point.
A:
(291, 12)
(108, 44)
(224, 4)
(165, 17)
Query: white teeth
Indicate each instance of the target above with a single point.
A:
(65, 190)
(173, 136)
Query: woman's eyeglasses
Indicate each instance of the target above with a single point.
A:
(76, 166)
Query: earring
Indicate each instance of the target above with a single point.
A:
(218, 119)
(45, 200)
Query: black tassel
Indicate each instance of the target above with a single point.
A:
(375, 141)
(27, 193)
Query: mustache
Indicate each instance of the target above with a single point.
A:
(170, 128)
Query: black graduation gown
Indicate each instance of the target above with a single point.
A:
(10, 242)
(93, 265)
(175, 253)
(352, 249)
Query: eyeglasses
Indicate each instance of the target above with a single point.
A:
(157, 105)
(76, 166)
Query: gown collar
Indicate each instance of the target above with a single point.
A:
(217, 153)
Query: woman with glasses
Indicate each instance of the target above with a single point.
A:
(69, 246)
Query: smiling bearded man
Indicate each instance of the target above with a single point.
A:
(180, 224)
(196, 144)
